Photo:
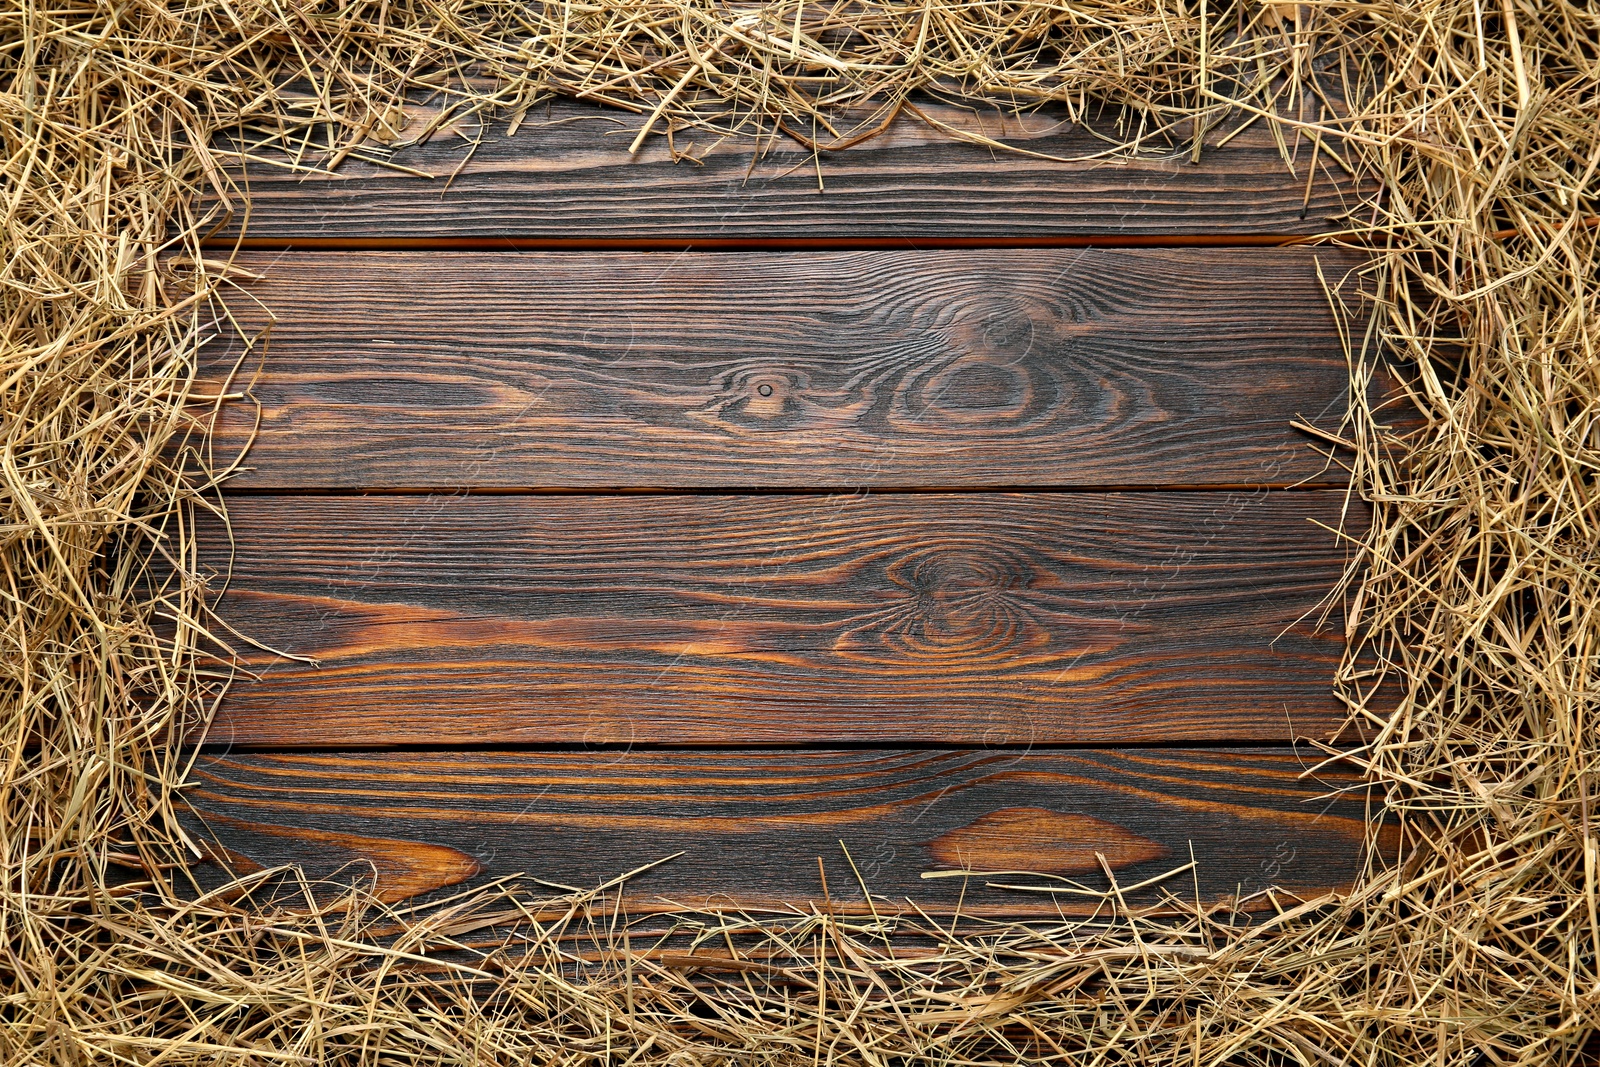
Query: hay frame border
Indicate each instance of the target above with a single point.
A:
(1475, 941)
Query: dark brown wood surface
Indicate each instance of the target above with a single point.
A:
(1082, 367)
(958, 619)
(567, 177)
(608, 518)
(751, 824)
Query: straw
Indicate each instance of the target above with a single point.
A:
(1471, 938)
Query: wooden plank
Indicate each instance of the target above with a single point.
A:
(958, 619)
(751, 824)
(1084, 367)
(567, 176)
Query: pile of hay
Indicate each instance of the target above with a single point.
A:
(1475, 602)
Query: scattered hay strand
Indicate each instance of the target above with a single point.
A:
(1472, 938)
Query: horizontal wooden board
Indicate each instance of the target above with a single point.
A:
(751, 825)
(1077, 367)
(960, 619)
(567, 176)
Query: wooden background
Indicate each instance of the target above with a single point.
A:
(948, 518)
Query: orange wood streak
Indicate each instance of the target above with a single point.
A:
(1037, 839)
(401, 869)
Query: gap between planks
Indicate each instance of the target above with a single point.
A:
(536, 748)
(778, 491)
(777, 244)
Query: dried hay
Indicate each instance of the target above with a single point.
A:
(1476, 942)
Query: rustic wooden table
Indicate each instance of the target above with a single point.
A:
(950, 517)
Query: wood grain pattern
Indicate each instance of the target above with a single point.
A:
(751, 824)
(567, 176)
(961, 619)
(1011, 621)
(402, 868)
(1057, 368)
